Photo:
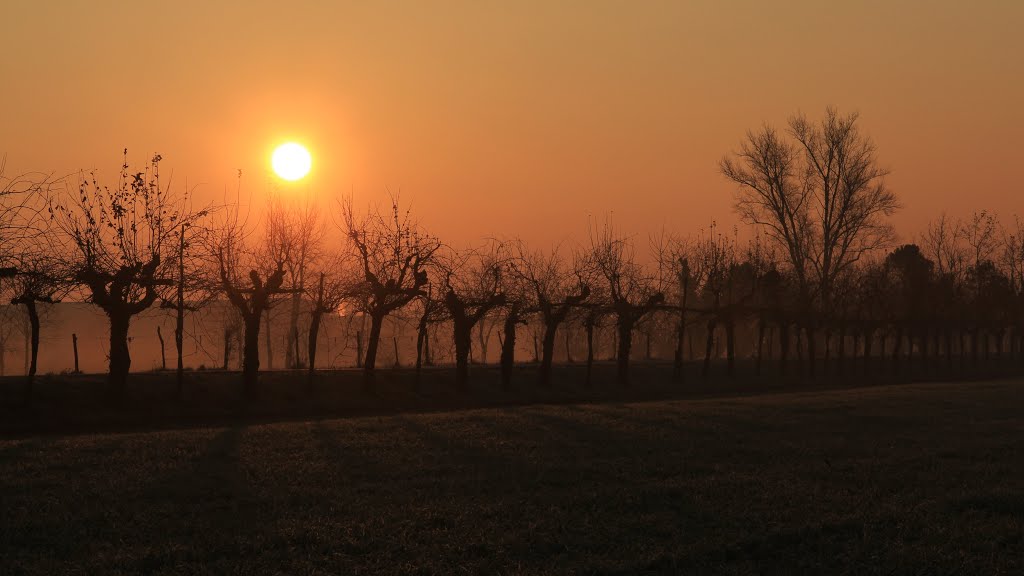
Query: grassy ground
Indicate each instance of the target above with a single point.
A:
(81, 403)
(913, 479)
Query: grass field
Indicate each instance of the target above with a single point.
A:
(909, 479)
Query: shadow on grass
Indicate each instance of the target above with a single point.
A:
(992, 504)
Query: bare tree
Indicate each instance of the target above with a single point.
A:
(298, 232)
(251, 277)
(431, 311)
(119, 243)
(23, 205)
(471, 283)
(675, 278)
(980, 234)
(943, 244)
(38, 281)
(27, 257)
(630, 289)
(332, 287)
(715, 256)
(518, 308)
(188, 291)
(393, 253)
(1013, 263)
(553, 288)
(820, 195)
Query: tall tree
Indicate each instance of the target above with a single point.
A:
(819, 193)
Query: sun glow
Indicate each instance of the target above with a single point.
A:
(291, 161)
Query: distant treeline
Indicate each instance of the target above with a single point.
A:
(819, 290)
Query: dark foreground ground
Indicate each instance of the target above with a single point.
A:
(79, 403)
(912, 479)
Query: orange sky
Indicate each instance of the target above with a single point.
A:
(497, 118)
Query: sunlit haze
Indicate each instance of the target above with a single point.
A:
(517, 118)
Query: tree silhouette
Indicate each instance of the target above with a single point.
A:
(250, 277)
(298, 233)
(331, 290)
(119, 242)
(553, 290)
(471, 284)
(393, 253)
(631, 292)
(820, 196)
(38, 281)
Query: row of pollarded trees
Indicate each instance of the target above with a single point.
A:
(814, 279)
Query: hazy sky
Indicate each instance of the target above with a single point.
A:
(517, 117)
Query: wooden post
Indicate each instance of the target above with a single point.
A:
(163, 354)
(74, 344)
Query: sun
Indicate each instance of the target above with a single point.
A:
(291, 161)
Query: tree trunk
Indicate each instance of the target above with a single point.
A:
(706, 370)
(314, 331)
(590, 352)
(677, 365)
(548, 351)
(120, 357)
(910, 350)
(827, 357)
(228, 335)
(853, 353)
(963, 349)
(896, 349)
(462, 333)
(975, 344)
(841, 352)
(163, 352)
(869, 338)
(625, 336)
(798, 331)
(812, 356)
(33, 321)
(292, 351)
(783, 347)
(508, 348)
(268, 341)
(74, 345)
(421, 343)
(370, 363)
(949, 350)
(251, 354)
(179, 319)
(760, 346)
(730, 348)
(428, 357)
